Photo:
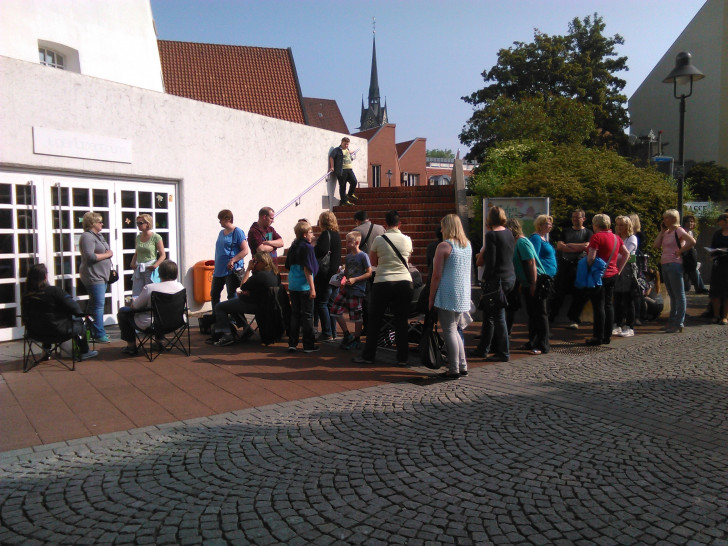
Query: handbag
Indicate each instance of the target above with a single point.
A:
(324, 261)
(544, 286)
(430, 347)
(492, 300)
(113, 275)
(689, 258)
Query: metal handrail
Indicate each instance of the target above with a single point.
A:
(297, 200)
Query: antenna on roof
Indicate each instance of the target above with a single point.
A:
(374, 25)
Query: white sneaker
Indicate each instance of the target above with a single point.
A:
(573, 326)
(627, 332)
(616, 331)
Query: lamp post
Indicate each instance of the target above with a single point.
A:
(683, 73)
(389, 177)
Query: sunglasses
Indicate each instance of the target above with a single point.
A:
(141, 223)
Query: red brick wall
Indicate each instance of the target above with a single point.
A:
(414, 161)
(382, 152)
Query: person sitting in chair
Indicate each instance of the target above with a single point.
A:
(130, 318)
(60, 312)
(260, 275)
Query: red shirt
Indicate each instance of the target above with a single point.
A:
(604, 243)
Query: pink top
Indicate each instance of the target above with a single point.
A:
(603, 241)
(669, 246)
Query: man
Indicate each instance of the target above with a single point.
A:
(571, 250)
(129, 320)
(340, 164)
(368, 230)
(262, 236)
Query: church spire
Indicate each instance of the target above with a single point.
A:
(375, 115)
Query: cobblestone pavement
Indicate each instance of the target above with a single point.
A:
(624, 445)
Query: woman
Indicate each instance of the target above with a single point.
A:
(674, 242)
(95, 268)
(652, 304)
(609, 247)
(392, 288)
(148, 254)
(624, 289)
(692, 277)
(260, 275)
(528, 267)
(327, 244)
(546, 253)
(719, 272)
(497, 261)
(61, 313)
(230, 249)
(640, 263)
(450, 291)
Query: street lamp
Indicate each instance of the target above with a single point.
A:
(389, 174)
(683, 73)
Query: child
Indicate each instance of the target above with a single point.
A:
(302, 266)
(653, 304)
(351, 294)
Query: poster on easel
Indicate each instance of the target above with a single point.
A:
(526, 209)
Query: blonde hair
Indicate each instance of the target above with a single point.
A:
(452, 228)
(301, 228)
(147, 218)
(327, 220)
(602, 221)
(636, 226)
(353, 236)
(265, 258)
(541, 219)
(496, 217)
(672, 213)
(626, 221)
(515, 227)
(91, 218)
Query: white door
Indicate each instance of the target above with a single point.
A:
(41, 221)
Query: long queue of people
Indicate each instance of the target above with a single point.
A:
(608, 269)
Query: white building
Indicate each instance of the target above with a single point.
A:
(653, 105)
(102, 135)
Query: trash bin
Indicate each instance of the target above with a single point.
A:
(202, 279)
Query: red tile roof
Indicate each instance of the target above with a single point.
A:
(368, 134)
(261, 80)
(324, 114)
(402, 147)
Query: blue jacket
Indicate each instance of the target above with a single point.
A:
(589, 277)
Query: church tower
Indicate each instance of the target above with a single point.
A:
(375, 115)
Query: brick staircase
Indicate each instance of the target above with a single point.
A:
(420, 208)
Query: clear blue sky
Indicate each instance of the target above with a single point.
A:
(429, 53)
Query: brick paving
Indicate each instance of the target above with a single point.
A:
(621, 445)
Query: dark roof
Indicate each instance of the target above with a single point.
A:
(368, 134)
(261, 80)
(324, 114)
(402, 147)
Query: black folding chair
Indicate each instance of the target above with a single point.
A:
(169, 323)
(414, 323)
(41, 340)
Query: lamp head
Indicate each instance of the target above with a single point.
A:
(684, 71)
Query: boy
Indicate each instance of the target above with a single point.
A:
(351, 294)
(302, 266)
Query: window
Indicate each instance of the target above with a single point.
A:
(52, 58)
(411, 179)
(376, 176)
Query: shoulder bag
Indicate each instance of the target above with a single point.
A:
(689, 258)
(396, 251)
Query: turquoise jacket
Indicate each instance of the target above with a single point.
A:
(589, 277)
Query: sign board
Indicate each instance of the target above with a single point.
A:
(697, 208)
(526, 209)
(84, 146)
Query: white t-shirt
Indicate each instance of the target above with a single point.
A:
(143, 301)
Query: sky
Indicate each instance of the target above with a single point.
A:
(430, 53)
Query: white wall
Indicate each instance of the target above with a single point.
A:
(653, 105)
(222, 158)
(115, 39)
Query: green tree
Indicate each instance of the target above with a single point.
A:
(437, 152)
(708, 181)
(580, 66)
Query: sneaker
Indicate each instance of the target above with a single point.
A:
(616, 331)
(352, 196)
(361, 360)
(347, 339)
(89, 355)
(323, 338)
(313, 349)
(463, 373)
(225, 340)
(126, 350)
(291, 349)
(572, 326)
(627, 332)
(104, 339)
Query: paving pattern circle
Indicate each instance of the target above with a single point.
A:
(625, 446)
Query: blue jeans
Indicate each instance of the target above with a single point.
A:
(323, 291)
(95, 308)
(672, 274)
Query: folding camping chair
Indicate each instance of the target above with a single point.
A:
(41, 341)
(169, 323)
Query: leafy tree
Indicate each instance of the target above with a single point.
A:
(437, 152)
(708, 181)
(580, 66)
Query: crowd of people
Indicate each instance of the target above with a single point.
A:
(607, 268)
